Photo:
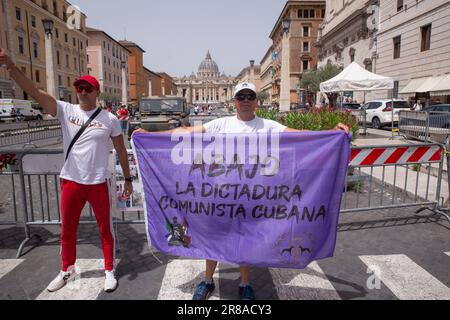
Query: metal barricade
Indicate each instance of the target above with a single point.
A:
(386, 177)
(361, 116)
(380, 177)
(34, 131)
(425, 126)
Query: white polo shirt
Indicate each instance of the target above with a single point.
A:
(88, 159)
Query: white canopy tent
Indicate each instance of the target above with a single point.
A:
(356, 78)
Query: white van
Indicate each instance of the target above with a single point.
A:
(14, 109)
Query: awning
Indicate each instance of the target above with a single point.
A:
(429, 84)
(442, 86)
(439, 85)
(413, 85)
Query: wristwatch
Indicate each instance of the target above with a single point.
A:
(130, 179)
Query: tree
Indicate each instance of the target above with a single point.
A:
(109, 98)
(262, 96)
(312, 80)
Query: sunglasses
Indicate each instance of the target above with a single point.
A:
(88, 89)
(248, 96)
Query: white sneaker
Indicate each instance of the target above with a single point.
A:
(61, 280)
(110, 281)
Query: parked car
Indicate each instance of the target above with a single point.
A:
(347, 106)
(379, 112)
(17, 110)
(439, 115)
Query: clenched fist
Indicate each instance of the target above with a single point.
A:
(5, 59)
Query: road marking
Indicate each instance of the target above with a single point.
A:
(447, 253)
(182, 278)
(291, 284)
(406, 279)
(7, 265)
(86, 286)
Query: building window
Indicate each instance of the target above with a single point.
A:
(81, 45)
(74, 41)
(67, 61)
(57, 58)
(21, 50)
(312, 13)
(426, 38)
(352, 54)
(87, 56)
(66, 38)
(35, 50)
(57, 33)
(75, 63)
(38, 78)
(397, 46)
(399, 5)
(306, 31)
(305, 65)
(18, 14)
(305, 46)
(59, 80)
(68, 82)
(55, 9)
(64, 14)
(33, 21)
(323, 13)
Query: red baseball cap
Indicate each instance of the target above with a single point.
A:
(89, 79)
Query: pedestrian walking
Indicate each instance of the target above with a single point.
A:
(87, 130)
(123, 116)
(418, 106)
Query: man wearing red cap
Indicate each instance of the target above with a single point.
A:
(85, 173)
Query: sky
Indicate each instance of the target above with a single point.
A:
(176, 34)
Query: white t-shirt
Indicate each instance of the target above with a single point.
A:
(234, 125)
(88, 160)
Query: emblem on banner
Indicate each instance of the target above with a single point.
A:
(293, 249)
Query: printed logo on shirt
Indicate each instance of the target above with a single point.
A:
(78, 122)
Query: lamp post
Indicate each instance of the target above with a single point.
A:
(49, 60)
(285, 85)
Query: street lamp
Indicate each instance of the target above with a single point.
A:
(286, 24)
(48, 26)
(49, 61)
(285, 85)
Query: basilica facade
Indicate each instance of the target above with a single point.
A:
(208, 86)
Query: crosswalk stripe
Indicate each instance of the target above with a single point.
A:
(86, 286)
(406, 279)
(7, 265)
(182, 277)
(447, 253)
(308, 284)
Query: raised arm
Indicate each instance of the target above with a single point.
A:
(197, 129)
(46, 101)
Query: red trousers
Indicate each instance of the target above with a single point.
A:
(73, 199)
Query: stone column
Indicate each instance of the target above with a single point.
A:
(285, 86)
(124, 84)
(50, 66)
(150, 92)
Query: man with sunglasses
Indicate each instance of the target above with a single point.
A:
(85, 173)
(245, 121)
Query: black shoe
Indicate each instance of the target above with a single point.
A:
(246, 293)
(203, 291)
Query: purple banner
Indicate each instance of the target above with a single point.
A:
(261, 200)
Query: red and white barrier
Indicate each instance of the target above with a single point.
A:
(396, 155)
